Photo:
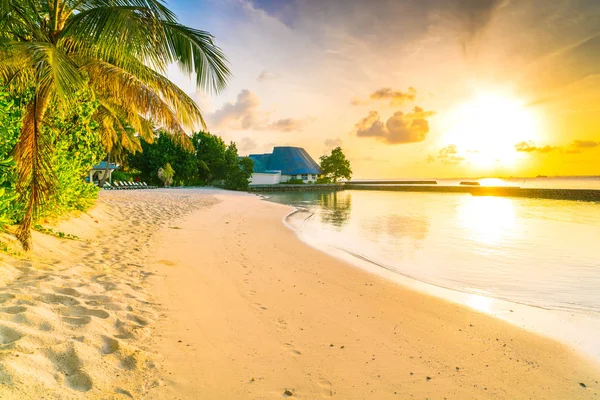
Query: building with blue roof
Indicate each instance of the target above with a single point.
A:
(283, 164)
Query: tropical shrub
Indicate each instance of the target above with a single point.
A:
(166, 174)
(293, 182)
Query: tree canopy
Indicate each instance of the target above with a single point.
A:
(115, 51)
(336, 166)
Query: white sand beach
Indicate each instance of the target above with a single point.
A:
(205, 294)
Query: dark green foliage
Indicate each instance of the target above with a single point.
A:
(210, 153)
(293, 182)
(162, 151)
(323, 180)
(336, 166)
(128, 176)
(212, 161)
(239, 169)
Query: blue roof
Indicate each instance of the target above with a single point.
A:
(288, 160)
(102, 166)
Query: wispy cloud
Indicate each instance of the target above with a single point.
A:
(575, 147)
(245, 114)
(266, 76)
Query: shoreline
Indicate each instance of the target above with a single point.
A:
(256, 341)
(537, 320)
(204, 293)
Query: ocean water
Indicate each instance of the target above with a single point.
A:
(543, 254)
(576, 182)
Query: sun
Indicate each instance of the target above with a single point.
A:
(489, 125)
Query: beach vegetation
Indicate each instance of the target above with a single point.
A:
(239, 169)
(335, 166)
(210, 162)
(166, 174)
(296, 181)
(116, 54)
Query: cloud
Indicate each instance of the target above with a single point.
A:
(245, 114)
(579, 146)
(287, 125)
(333, 142)
(246, 144)
(530, 147)
(475, 16)
(400, 128)
(575, 147)
(448, 155)
(396, 97)
(585, 144)
(266, 76)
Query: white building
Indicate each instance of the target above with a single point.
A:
(283, 164)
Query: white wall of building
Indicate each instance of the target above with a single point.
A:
(265, 179)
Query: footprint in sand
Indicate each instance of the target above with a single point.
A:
(137, 319)
(68, 292)
(80, 311)
(77, 320)
(13, 309)
(9, 335)
(69, 364)
(6, 296)
(59, 299)
(109, 346)
(326, 386)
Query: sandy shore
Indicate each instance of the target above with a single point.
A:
(191, 294)
(250, 312)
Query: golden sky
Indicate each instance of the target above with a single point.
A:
(430, 88)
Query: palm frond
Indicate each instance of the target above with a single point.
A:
(32, 153)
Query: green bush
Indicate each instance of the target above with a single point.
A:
(323, 180)
(293, 182)
(76, 146)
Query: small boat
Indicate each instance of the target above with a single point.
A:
(470, 183)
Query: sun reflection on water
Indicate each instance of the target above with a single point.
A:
(487, 219)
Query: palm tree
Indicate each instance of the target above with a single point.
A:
(117, 51)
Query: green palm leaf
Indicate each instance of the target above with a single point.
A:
(118, 51)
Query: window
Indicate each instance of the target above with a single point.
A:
(293, 177)
(314, 177)
(304, 177)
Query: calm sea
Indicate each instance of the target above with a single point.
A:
(539, 253)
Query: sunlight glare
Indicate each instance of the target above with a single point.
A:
(486, 219)
(489, 126)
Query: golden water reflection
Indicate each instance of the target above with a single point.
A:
(487, 219)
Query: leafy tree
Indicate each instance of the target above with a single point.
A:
(336, 166)
(161, 151)
(118, 52)
(238, 169)
(210, 152)
(166, 175)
